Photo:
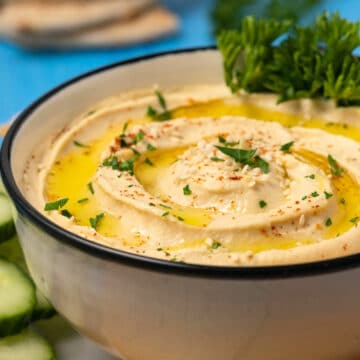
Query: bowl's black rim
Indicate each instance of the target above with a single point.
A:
(64, 236)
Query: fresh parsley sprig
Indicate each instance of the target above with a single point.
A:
(314, 61)
(156, 115)
(246, 157)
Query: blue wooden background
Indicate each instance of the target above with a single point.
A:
(25, 75)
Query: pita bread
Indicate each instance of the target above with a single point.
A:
(152, 24)
(3, 129)
(48, 17)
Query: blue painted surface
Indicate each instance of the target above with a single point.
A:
(24, 75)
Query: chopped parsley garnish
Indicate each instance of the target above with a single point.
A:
(136, 152)
(312, 176)
(222, 140)
(315, 194)
(165, 206)
(156, 115)
(262, 203)
(66, 213)
(246, 157)
(130, 185)
(159, 249)
(166, 213)
(138, 137)
(342, 201)
(126, 165)
(150, 147)
(149, 162)
(328, 222)
(187, 190)
(83, 200)
(215, 245)
(151, 204)
(90, 187)
(334, 167)
(354, 220)
(314, 61)
(328, 195)
(94, 222)
(215, 158)
(304, 197)
(180, 218)
(79, 144)
(55, 205)
(122, 136)
(286, 147)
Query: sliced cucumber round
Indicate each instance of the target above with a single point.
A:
(27, 345)
(11, 250)
(43, 308)
(7, 228)
(17, 298)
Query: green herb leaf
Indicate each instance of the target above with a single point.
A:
(150, 147)
(94, 222)
(55, 205)
(246, 157)
(180, 218)
(165, 206)
(90, 187)
(149, 162)
(239, 155)
(328, 195)
(166, 213)
(313, 61)
(334, 167)
(138, 137)
(215, 245)
(156, 115)
(328, 222)
(342, 201)
(286, 147)
(66, 213)
(83, 200)
(312, 176)
(187, 190)
(354, 220)
(304, 197)
(217, 159)
(79, 144)
(262, 203)
(315, 194)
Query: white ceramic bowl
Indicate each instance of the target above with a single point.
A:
(141, 308)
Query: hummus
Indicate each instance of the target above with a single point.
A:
(228, 180)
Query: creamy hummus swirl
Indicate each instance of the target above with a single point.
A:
(222, 190)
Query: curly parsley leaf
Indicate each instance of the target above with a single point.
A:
(314, 61)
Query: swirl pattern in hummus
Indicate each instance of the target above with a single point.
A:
(287, 193)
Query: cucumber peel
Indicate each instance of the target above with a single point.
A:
(18, 298)
(27, 345)
(11, 250)
(7, 228)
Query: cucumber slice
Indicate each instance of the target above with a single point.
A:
(17, 300)
(11, 250)
(43, 308)
(7, 228)
(27, 345)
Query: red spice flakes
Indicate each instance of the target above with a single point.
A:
(235, 177)
(319, 226)
(297, 202)
(220, 178)
(345, 247)
(191, 101)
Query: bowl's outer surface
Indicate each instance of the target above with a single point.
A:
(143, 313)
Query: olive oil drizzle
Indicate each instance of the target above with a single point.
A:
(62, 182)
